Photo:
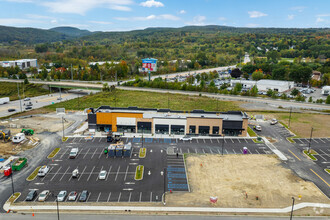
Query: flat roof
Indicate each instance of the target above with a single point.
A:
(273, 82)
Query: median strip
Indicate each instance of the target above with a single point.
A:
(64, 139)
(139, 172)
(251, 132)
(14, 197)
(310, 155)
(33, 174)
(142, 153)
(53, 153)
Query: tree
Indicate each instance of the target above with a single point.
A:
(236, 73)
(249, 68)
(257, 75)
(41, 48)
(238, 87)
(254, 91)
(300, 73)
(273, 56)
(294, 92)
(269, 92)
(310, 99)
(26, 81)
(327, 101)
(279, 73)
(106, 87)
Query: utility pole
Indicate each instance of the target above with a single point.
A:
(164, 185)
(290, 117)
(58, 211)
(310, 140)
(20, 101)
(71, 73)
(292, 208)
(142, 136)
(12, 181)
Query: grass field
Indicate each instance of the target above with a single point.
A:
(122, 98)
(301, 123)
(30, 90)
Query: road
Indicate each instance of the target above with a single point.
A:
(275, 103)
(139, 217)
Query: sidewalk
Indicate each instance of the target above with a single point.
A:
(29, 208)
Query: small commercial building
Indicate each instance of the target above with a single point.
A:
(325, 90)
(22, 64)
(166, 121)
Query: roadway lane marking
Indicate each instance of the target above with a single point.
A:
(320, 177)
(86, 153)
(150, 196)
(82, 173)
(117, 173)
(90, 173)
(129, 199)
(140, 196)
(94, 153)
(126, 173)
(109, 197)
(108, 173)
(98, 197)
(55, 173)
(294, 154)
(65, 173)
(119, 196)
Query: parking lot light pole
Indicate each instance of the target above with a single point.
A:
(164, 185)
(292, 208)
(12, 181)
(142, 136)
(310, 140)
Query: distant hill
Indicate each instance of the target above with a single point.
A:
(71, 31)
(29, 35)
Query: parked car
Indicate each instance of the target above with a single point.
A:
(72, 196)
(102, 175)
(73, 153)
(83, 196)
(273, 122)
(43, 195)
(11, 110)
(43, 170)
(257, 127)
(59, 98)
(61, 196)
(31, 195)
(28, 107)
(27, 99)
(185, 138)
(75, 173)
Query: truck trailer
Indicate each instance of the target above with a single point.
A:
(4, 100)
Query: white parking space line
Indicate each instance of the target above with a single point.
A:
(245, 140)
(321, 140)
(241, 151)
(108, 173)
(86, 153)
(176, 140)
(324, 153)
(257, 151)
(64, 153)
(51, 168)
(219, 151)
(117, 173)
(249, 151)
(298, 140)
(99, 172)
(211, 141)
(73, 139)
(238, 140)
(100, 139)
(77, 197)
(94, 153)
(322, 157)
(109, 197)
(80, 139)
(150, 196)
(180, 151)
(89, 195)
(140, 196)
(204, 140)
(82, 173)
(65, 173)
(93, 139)
(203, 150)
(188, 151)
(218, 141)
(211, 151)
(195, 150)
(129, 198)
(234, 151)
(90, 173)
(231, 140)
(225, 140)
(102, 152)
(126, 173)
(315, 141)
(55, 174)
(197, 140)
(119, 196)
(98, 197)
(226, 151)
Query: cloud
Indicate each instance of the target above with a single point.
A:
(298, 8)
(222, 18)
(20, 1)
(321, 18)
(150, 17)
(54, 21)
(182, 12)
(197, 20)
(100, 22)
(291, 17)
(151, 3)
(256, 14)
(251, 25)
(14, 21)
(82, 6)
(35, 16)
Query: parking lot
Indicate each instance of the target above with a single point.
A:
(120, 185)
(320, 145)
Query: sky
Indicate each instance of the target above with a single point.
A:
(126, 15)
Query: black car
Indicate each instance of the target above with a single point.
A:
(31, 195)
(11, 110)
(83, 196)
(28, 107)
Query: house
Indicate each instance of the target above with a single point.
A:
(316, 75)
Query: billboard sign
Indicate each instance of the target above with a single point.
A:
(149, 64)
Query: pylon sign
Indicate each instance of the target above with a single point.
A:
(149, 64)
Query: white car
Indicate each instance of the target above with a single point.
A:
(102, 175)
(43, 195)
(257, 127)
(61, 195)
(43, 170)
(273, 122)
(27, 99)
(185, 138)
(72, 196)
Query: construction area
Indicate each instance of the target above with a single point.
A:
(243, 181)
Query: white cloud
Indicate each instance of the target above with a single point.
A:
(197, 20)
(251, 25)
(291, 17)
(182, 12)
(20, 1)
(14, 21)
(100, 22)
(298, 8)
(150, 17)
(256, 14)
(152, 3)
(54, 21)
(222, 18)
(35, 16)
(82, 6)
(321, 18)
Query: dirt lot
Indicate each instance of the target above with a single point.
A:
(230, 177)
(47, 123)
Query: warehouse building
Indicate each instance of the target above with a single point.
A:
(265, 84)
(166, 121)
(22, 64)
